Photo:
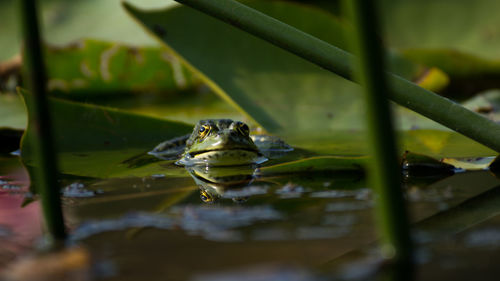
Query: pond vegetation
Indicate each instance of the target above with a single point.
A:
(115, 91)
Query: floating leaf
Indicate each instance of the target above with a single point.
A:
(316, 164)
(90, 67)
(475, 163)
(96, 141)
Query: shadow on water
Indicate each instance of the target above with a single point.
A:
(227, 224)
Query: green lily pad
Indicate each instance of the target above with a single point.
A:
(96, 141)
(316, 164)
(90, 67)
(285, 94)
(429, 142)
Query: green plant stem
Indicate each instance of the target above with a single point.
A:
(35, 79)
(384, 171)
(404, 92)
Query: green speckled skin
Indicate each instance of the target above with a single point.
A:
(219, 142)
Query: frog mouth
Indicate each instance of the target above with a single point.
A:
(196, 153)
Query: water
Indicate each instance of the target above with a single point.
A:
(309, 226)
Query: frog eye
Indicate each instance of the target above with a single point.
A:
(205, 197)
(204, 130)
(243, 128)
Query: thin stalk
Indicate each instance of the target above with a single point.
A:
(35, 79)
(384, 171)
(340, 62)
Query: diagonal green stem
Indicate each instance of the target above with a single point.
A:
(34, 75)
(405, 93)
(384, 170)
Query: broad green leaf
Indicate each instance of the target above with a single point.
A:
(430, 142)
(316, 164)
(67, 21)
(97, 141)
(185, 106)
(461, 37)
(283, 93)
(93, 68)
(470, 27)
(161, 85)
(453, 62)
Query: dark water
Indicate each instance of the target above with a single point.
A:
(306, 226)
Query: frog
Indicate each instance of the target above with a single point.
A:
(221, 142)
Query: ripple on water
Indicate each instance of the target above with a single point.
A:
(290, 190)
(247, 191)
(360, 194)
(217, 224)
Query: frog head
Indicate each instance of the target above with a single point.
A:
(221, 142)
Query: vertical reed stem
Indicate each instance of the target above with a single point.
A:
(384, 171)
(35, 79)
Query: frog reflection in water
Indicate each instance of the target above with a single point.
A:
(221, 142)
(220, 154)
(216, 181)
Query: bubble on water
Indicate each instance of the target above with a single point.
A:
(77, 190)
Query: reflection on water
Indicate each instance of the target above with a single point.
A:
(225, 182)
(306, 226)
